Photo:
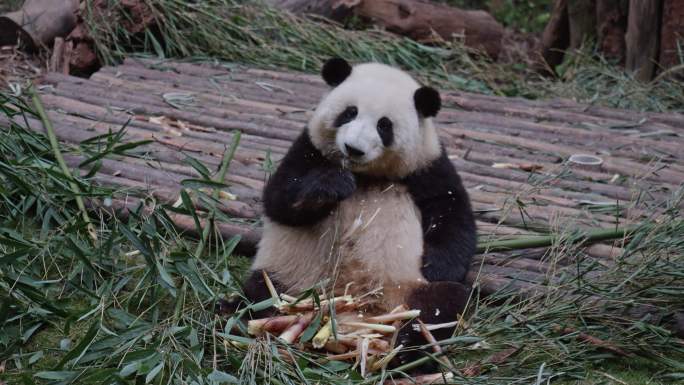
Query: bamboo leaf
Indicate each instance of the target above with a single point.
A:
(82, 346)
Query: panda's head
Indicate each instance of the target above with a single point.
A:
(376, 119)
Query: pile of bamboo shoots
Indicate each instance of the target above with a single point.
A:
(338, 327)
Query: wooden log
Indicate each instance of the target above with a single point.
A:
(518, 120)
(533, 265)
(288, 98)
(547, 170)
(624, 140)
(642, 38)
(514, 181)
(536, 209)
(545, 114)
(671, 121)
(152, 93)
(103, 114)
(430, 22)
(192, 117)
(314, 82)
(86, 129)
(74, 133)
(575, 118)
(489, 283)
(166, 196)
(550, 113)
(610, 164)
(121, 208)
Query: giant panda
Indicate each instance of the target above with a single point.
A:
(367, 195)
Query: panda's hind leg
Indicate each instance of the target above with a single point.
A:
(438, 302)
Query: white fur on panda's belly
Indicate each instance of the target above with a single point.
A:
(373, 238)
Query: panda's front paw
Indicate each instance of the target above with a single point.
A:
(322, 187)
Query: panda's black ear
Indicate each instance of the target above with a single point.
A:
(335, 70)
(427, 101)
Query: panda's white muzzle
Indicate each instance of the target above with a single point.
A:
(359, 141)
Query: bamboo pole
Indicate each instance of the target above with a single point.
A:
(227, 158)
(548, 240)
(54, 143)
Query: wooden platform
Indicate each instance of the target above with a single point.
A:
(511, 153)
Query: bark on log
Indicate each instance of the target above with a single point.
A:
(642, 38)
(428, 22)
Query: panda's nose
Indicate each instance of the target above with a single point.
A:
(353, 151)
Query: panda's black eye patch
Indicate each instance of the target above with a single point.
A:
(385, 131)
(346, 116)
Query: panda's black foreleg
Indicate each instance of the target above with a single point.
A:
(306, 187)
(255, 291)
(449, 231)
(439, 303)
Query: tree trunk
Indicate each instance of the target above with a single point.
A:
(582, 21)
(556, 35)
(612, 26)
(672, 32)
(642, 38)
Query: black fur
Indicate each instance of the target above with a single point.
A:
(449, 236)
(449, 231)
(335, 71)
(346, 116)
(427, 101)
(438, 302)
(306, 187)
(386, 131)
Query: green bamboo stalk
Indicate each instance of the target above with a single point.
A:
(54, 143)
(225, 162)
(548, 240)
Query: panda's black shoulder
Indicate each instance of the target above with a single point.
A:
(435, 176)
